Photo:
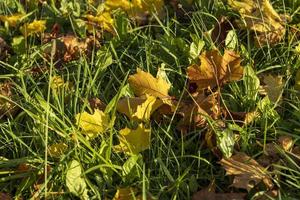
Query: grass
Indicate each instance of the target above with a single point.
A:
(176, 165)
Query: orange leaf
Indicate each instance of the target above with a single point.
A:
(215, 69)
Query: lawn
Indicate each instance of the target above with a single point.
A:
(150, 99)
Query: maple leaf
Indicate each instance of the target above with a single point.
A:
(92, 124)
(11, 20)
(247, 172)
(215, 69)
(134, 141)
(143, 83)
(139, 108)
(273, 87)
(103, 20)
(140, 10)
(58, 149)
(35, 27)
(260, 16)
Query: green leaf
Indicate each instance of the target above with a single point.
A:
(231, 41)
(74, 180)
(196, 48)
(225, 142)
(129, 169)
(251, 83)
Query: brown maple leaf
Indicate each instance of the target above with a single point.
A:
(247, 172)
(215, 69)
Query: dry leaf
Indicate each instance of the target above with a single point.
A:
(35, 27)
(215, 69)
(94, 124)
(96, 103)
(247, 172)
(260, 17)
(69, 48)
(273, 87)
(56, 150)
(139, 108)
(286, 142)
(143, 83)
(134, 141)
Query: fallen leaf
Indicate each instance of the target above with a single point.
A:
(11, 20)
(96, 103)
(260, 17)
(92, 124)
(74, 180)
(143, 83)
(69, 48)
(35, 27)
(215, 69)
(246, 171)
(286, 142)
(140, 10)
(134, 141)
(103, 20)
(273, 87)
(58, 149)
(139, 108)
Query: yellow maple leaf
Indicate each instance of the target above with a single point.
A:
(103, 20)
(92, 124)
(215, 69)
(56, 150)
(260, 16)
(11, 20)
(134, 141)
(115, 4)
(35, 27)
(246, 170)
(143, 83)
(139, 108)
(137, 9)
